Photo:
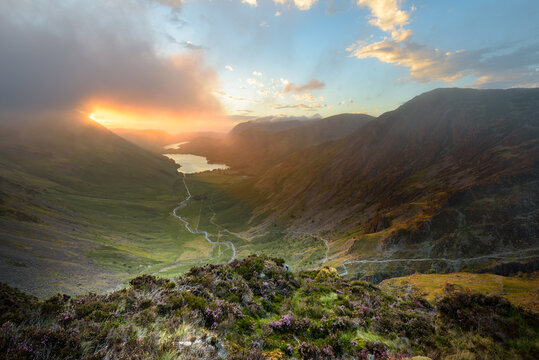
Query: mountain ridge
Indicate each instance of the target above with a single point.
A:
(397, 172)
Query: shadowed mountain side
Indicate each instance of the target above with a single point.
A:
(72, 194)
(254, 146)
(384, 183)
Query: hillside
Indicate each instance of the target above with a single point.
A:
(522, 290)
(80, 207)
(255, 146)
(452, 174)
(257, 309)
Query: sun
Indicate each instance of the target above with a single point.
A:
(101, 121)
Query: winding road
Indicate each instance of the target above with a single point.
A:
(200, 232)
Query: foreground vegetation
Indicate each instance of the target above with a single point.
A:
(256, 308)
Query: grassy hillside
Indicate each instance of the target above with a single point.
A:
(256, 309)
(450, 174)
(519, 290)
(81, 208)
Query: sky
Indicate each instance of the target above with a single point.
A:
(189, 65)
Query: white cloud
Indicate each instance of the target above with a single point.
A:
(386, 15)
(426, 63)
(313, 84)
(256, 73)
(253, 3)
(300, 4)
(277, 13)
(229, 68)
(307, 97)
(255, 82)
(263, 92)
(304, 4)
(234, 98)
(309, 107)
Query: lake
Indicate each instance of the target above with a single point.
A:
(193, 163)
(175, 146)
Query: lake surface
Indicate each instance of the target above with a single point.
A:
(191, 164)
(175, 146)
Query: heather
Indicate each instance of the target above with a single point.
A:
(255, 308)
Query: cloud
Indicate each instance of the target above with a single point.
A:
(95, 51)
(229, 68)
(231, 97)
(309, 107)
(304, 4)
(189, 45)
(492, 66)
(174, 4)
(311, 85)
(300, 4)
(254, 82)
(501, 66)
(253, 3)
(307, 97)
(256, 73)
(387, 15)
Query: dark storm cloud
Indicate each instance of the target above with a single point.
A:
(55, 54)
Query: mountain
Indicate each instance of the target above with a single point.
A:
(451, 174)
(80, 207)
(272, 126)
(254, 146)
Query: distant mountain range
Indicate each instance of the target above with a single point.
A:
(254, 146)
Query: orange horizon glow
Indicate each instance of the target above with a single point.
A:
(130, 117)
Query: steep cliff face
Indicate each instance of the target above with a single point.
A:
(451, 173)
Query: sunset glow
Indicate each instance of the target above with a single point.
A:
(118, 116)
